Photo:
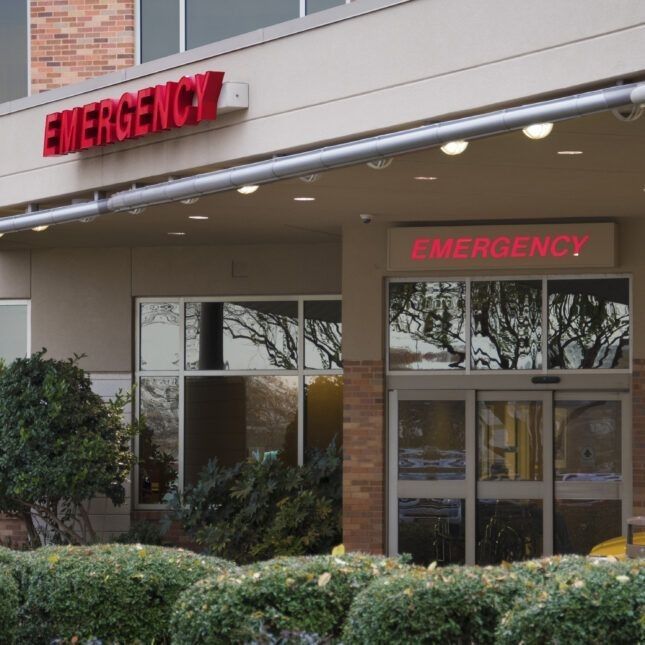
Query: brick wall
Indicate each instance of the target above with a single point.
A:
(364, 456)
(638, 437)
(72, 40)
(12, 531)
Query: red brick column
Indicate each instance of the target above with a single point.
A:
(638, 435)
(364, 456)
(72, 40)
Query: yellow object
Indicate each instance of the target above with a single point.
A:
(338, 550)
(616, 546)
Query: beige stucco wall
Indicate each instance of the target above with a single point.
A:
(408, 63)
(82, 299)
(365, 272)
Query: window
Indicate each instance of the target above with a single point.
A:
(207, 21)
(14, 33)
(537, 324)
(234, 379)
(14, 330)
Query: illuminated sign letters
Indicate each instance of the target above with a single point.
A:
(512, 246)
(189, 101)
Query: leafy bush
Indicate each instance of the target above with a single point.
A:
(142, 533)
(61, 446)
(260, 509)
(9, 601)
(450, 605)
(116, 593)
(581, 601)
(307, 597)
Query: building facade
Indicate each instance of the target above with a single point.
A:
(468, 321)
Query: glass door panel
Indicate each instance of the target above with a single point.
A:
(588, 449)
(513, 475)
(429, 435)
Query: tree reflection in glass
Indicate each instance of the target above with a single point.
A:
(158, 444)
(241, 335)
(427, 325)
(506, 324)
(589, 323)
(159, 335)
(323, 330)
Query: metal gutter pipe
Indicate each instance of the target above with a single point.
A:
(337, 156)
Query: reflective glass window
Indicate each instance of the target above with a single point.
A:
(14, 327)
(588, 323)
(510, 440)
(13, 49)
(208, 21)
(234, 418)
(241, 335)
(321, 5)
(506, 324)
(508, 530)
(432, 440)
(581, 524)
(323, 332)
(427, 325)
(159, 442)
(432, 530)
(159, 322)
(587, 440)
(159, 28)
(323, 411)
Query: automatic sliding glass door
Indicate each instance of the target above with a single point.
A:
(490, 476)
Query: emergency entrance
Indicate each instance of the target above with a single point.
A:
(509, 416)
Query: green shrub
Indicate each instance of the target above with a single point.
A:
(142, 533)
(580, 601)
(62, 445)
(260, 509)
(9, 602)
(116, 593)
(304, 596)
(449, 605)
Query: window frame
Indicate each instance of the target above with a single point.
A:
(181, 373)
(468, 369)
(183, 26)
(13, 302)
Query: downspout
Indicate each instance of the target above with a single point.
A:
(338, 156)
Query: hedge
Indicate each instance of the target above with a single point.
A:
(9, 603)
(584, 601)
(308, 597)
(455, 604)
(116, 593)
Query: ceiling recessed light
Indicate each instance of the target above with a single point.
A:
(198, 217)
(247, 190)
(40, 229)
(421, 178)
(453, 148)
(538, 130)
(569, 152)
(176, 233)
(304, 199)
(1, 234)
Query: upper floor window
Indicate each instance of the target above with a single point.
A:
(540, 324)
(171, 26)
(14, 33)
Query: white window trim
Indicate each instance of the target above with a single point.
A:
(182, 25)
(181, 373)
